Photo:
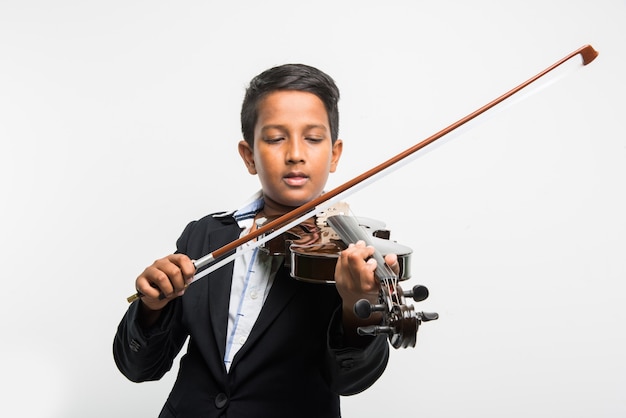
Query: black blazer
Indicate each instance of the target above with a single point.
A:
(292, 365)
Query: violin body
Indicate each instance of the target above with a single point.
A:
(312, 249)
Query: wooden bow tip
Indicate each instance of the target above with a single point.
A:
(588, 54)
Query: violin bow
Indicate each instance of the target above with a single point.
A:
(283, 223)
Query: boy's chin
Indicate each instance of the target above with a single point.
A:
(293, 201)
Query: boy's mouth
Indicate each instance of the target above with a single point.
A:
(296, 179)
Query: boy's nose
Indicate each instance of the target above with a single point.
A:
(295, 151)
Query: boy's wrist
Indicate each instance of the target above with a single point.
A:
(147, 315)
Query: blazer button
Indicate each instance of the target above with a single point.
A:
(221, 400)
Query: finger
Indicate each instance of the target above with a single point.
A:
(392, 261)
(159, 280)
(357, 257)
(363, 268)
(172, 278)
(153, 283)
(184, 263)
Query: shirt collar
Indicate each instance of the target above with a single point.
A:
(246, 213)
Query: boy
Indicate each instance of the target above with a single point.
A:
(261, 343)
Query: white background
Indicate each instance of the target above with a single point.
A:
(119, 124)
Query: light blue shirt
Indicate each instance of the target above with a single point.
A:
(253, 275)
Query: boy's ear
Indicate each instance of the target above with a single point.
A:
(336, 154)
(247, 156)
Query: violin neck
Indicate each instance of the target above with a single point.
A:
(350, 231)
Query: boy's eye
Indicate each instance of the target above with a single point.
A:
(273, 139)
(314, 139)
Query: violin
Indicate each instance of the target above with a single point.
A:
(399, 320)
(311, 251)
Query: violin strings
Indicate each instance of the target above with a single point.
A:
(386, 275)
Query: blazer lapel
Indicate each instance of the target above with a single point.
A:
(219, 295)
(218, 288)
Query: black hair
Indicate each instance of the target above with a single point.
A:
(297, 77)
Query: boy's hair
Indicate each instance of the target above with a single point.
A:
(297, 77)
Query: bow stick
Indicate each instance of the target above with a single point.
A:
(283, 223)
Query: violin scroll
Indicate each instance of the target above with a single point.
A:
(401, 322)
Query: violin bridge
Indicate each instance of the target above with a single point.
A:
(329, 234)
(339, 208)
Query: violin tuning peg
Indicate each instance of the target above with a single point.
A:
(428, 316)
(363, 308)
(418, 293)
(373, 330)
(369, 330)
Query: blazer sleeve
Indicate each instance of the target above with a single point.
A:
(147, 354)
(352, 370)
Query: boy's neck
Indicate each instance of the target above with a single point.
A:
(273, 209)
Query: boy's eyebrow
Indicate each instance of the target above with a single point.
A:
(283, 127)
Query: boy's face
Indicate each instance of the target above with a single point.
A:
(293, 151)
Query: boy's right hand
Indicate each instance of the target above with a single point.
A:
(164, 280)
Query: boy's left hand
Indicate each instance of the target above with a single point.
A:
(355, 280)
